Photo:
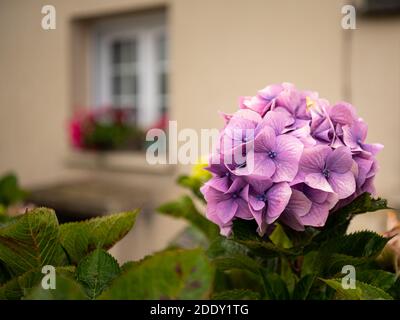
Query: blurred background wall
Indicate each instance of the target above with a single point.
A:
(218, 50)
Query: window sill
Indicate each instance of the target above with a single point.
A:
(116, 161)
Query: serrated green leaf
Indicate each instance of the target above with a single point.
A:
(66, 289)
(17, 287)
(185, 208)
(339, 220)
(172, 274)
(377, 278)
(362, 291)
(31, 241)
(237, 261)
(303, 287)
(361, 244)
(96, 271)
(237, 294)
(222, 246)
(332, 264)
(80, 238)
(358, 244)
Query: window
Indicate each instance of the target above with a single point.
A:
(131, 66)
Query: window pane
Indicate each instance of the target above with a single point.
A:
(128, 51)
(129, 84)
(116, 52)
(162, 55)
(116, 85)
(124, 51)
(162, 86)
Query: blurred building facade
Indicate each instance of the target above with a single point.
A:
(217, 51)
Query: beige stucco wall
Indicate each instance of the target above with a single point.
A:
(219, 49)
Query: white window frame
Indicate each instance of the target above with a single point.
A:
(145, 29)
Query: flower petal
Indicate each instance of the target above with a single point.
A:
(289, 150)
(264, 166)
(317, 215)
(339, 160)
(318, 181)
(226, 210)
(313, 159)
(343, 184)
(278, 198)
(265, 140)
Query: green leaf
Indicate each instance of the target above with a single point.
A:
(245, 230)
(96, 271)
(237, 261)
(80, 238)
(185, 208)
(237, 294)
(10, 192)
(362, 291)
(172, 274)
(288, 275)
(17, 287)
(358, 244)
(303, 287)
(361, 244)
(338, 221)
(332, 264)
(359, 248)
(395, 289)
(4, 274)
(377, 278)
(279, 238)
(66, 289)
(275, 287)
(264, 249)
(30, 241)
(222, 246)
(310, 262)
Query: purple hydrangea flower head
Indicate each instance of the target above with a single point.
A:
(296, 159)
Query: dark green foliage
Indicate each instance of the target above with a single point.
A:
(10, 191)
(84, 270)
(35, 239)
(299, 265)
(172, 274)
